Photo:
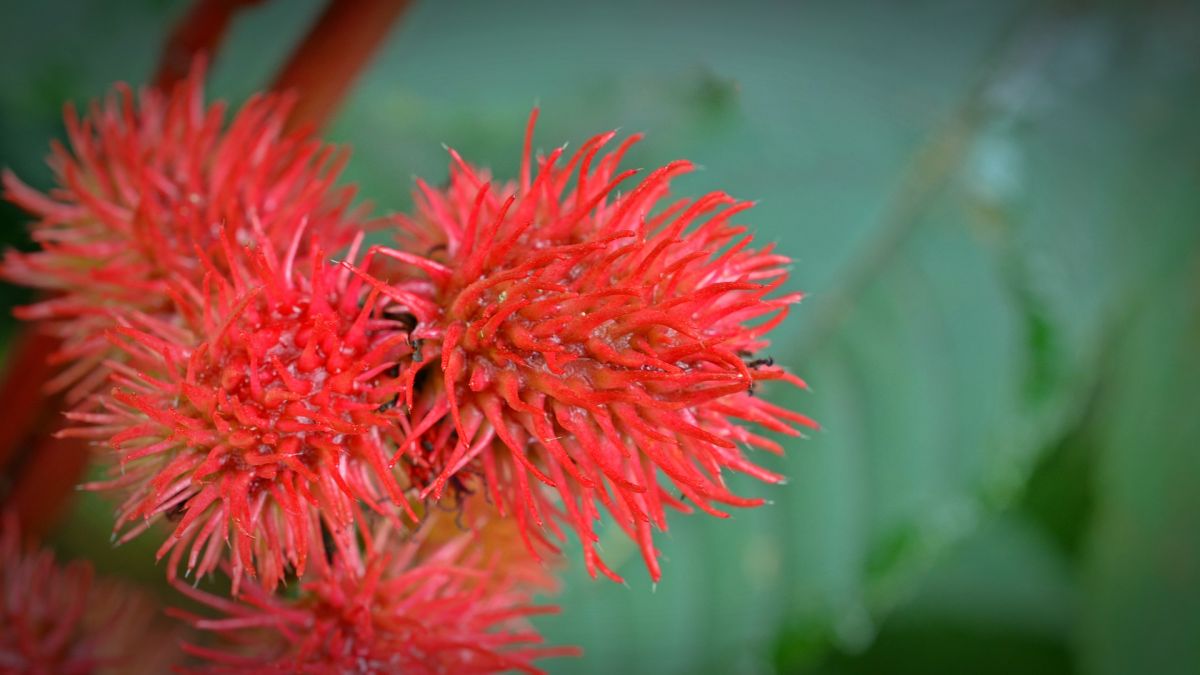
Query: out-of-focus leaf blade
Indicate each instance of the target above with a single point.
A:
(1141, 609)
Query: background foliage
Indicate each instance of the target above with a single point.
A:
(994, 209)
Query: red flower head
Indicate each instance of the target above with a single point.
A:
(59, 619)
(590, 340)
(442, 600)
(144, 184)
(270, 407)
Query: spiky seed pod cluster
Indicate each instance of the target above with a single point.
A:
(267, 409)
(448, 597)
(143, 182)
(538, 351)
(600, 343)
(59, 618)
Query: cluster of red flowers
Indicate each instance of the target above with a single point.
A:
(526, 354)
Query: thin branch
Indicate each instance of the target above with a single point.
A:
(199, 32)
(333, 54)
(38, 472)
(22, 397)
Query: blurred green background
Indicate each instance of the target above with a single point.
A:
(995, 210)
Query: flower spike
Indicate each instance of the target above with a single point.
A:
(144, 183)
(61, 618)
(452, 596)
(600, 344)
(270, 411)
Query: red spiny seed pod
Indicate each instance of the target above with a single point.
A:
(590, 340)
(61, 619)
(270, 407)
(450, 597)
(145, 181)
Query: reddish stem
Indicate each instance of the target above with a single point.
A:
(37, 471)
(22, 398)
(199, 32)
(333, 54)
(47, 479)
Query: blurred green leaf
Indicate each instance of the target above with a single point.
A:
(1141, 611)
(1000, 601)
